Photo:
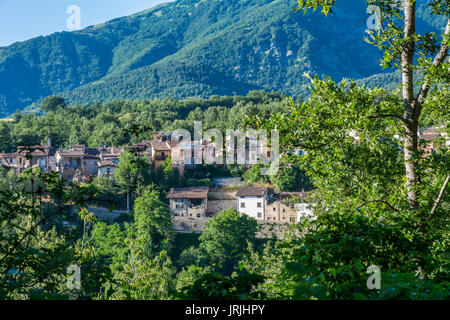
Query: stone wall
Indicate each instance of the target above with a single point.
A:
(183, 224)
(105, 215)
(265, 230)
(222, 194)
(215, 206)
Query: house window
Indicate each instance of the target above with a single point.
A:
(284, 210)
(242, 204)
(274, 209)
(259, 205)
(259, 215)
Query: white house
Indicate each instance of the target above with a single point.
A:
(106, 168)
(305, 211)
(252, 201)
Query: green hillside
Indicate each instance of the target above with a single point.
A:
(190, 48)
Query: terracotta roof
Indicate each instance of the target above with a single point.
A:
(92, 151)
(106, 163)
(69, 153)
(289, 195)
(252, 191)
(430, 136)
(160, 146)
(38, 150)
(188, 193)
(173, 143)
(9, 155)
(90, 157)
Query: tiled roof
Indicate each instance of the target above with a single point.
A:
(430, 136)
(291, 195)
(252, 191)
(173, 143)
(69, 153)
(106, 163)
(188, 193)
(38, 150)
(160, 146)
(90, 157)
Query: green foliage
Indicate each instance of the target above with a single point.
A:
(291, 177)
(153, 224)
(197, 283)
(198, 182)
(109, 242)
(52, 103)
(331, 260)
(192, 48)
(253, 175)
(144, 277)
(112, 124)
(226, 238)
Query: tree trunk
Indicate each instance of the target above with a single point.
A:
(411, 118)
(128, 201)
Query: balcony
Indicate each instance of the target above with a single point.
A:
(161, 158)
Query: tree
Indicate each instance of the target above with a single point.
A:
(291, 177)
(152, 222)
(197, 283)
(226, 238)
(52, 103)
(360, 147)
(33, 256)
(407, 50)
(144, 277)
(253, 175)
(129, 174)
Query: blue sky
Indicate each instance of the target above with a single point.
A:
(25, 19)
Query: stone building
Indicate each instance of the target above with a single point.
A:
(284, 207)
(188, 202)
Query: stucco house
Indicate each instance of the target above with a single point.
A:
(160, 151)
(252, 201)
(13, 161)
(106, 168)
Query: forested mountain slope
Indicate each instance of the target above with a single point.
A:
(192, 48)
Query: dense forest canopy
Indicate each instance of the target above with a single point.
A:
(195, 48)
(99, 125)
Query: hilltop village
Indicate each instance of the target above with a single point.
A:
(190, 207)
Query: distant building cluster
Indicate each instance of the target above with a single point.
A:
(81, 163)
(430, 136)
(261, 203)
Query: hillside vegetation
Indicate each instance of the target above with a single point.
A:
(192, 48)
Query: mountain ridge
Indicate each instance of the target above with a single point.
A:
(190, 48)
